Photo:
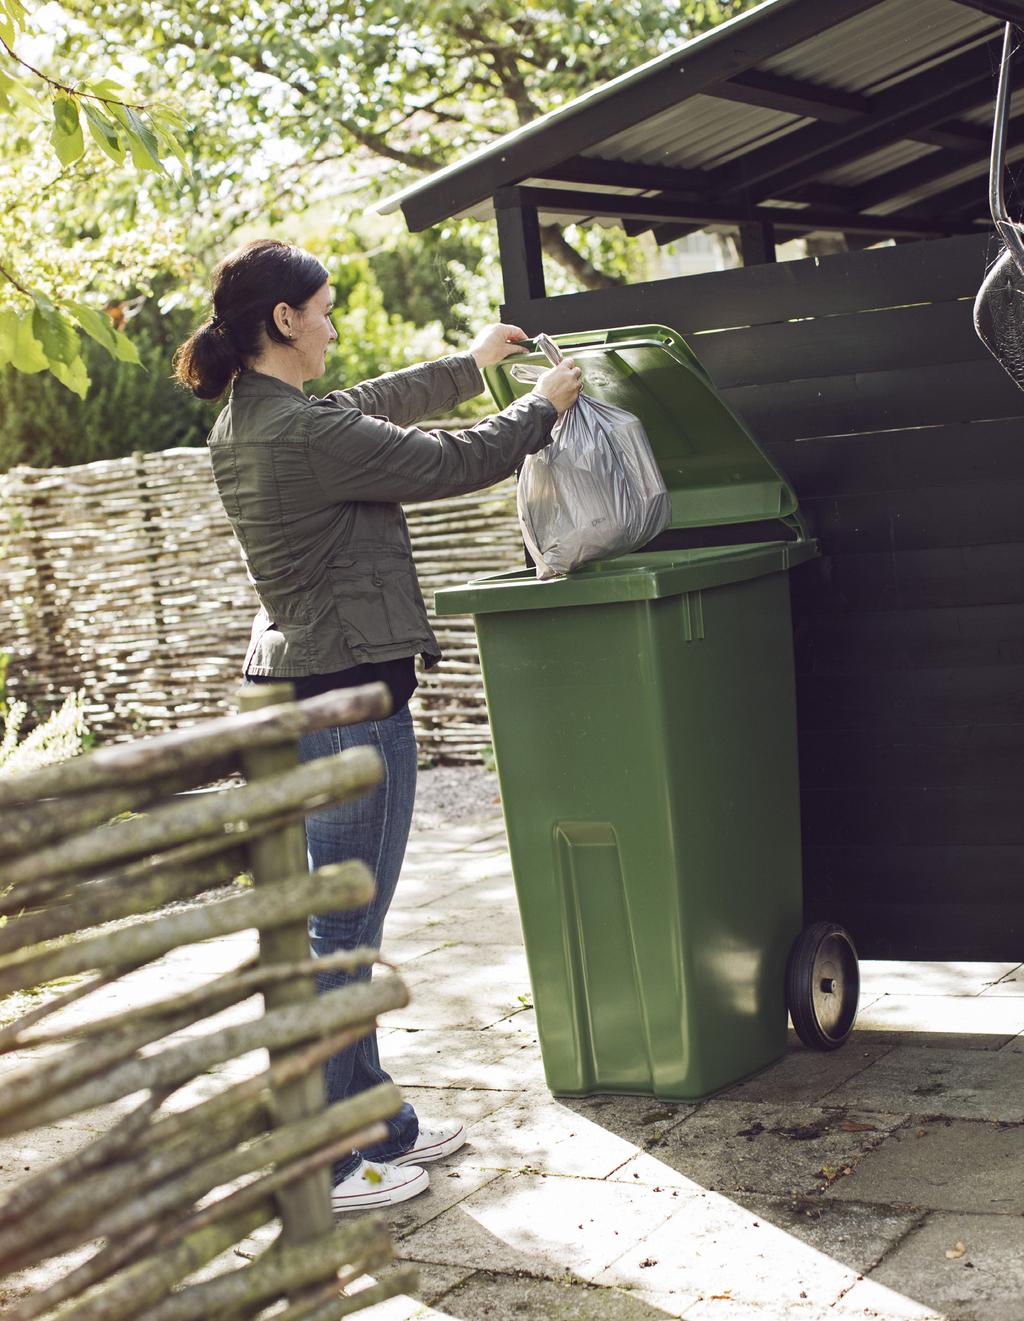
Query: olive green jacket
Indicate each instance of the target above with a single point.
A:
(312, 488)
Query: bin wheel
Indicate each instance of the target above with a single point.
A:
(823, 985)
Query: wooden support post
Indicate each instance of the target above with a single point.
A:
(519, 243)
(757, 242)
(305, 1206)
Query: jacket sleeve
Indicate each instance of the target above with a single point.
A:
(355, 457)
(429, 389)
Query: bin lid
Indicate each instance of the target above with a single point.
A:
(716, 473)
(645, 576)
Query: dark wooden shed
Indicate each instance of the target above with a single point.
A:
(862, 376)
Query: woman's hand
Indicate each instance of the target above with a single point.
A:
(495, 343)
(561, 384)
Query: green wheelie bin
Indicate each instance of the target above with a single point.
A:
(643, 719)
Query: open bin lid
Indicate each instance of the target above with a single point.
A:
(716, 473)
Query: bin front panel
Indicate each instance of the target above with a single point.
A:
(646, 753)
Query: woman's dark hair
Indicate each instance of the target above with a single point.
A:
(247, 285)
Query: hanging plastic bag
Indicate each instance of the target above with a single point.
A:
(999, 306)
(595, 492)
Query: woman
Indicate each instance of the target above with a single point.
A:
(312, 488)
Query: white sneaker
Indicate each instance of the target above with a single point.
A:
(374, 1184)
(433, 1143)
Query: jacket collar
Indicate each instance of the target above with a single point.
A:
(251, 383)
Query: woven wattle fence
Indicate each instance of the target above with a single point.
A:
(122, 579)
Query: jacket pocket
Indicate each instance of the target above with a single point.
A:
(360, 588)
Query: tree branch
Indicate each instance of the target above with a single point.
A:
(557, 246)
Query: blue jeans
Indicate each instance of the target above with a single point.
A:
(375, 829)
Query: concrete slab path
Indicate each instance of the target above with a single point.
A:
(884, 1181)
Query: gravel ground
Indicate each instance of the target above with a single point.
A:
(452, 793)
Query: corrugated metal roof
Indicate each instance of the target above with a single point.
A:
(866, 50)
(868, 53)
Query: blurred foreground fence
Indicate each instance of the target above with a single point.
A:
(122, 578)
(168, 1186)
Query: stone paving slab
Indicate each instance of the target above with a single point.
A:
(961, 1084)
(485, 1296)
(985, 1283)
(1011, 984)
(545, 1226)
(945, 1165)
(961, 1022)
(713, 1249)
(434, 1057)
(869, 1300)
(539, 1135)
(807, 1075)
(914, 977)
(641, 1120)
(857, 1234)
(769, 1148)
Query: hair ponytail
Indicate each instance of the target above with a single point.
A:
(247, 285)
(208, 362)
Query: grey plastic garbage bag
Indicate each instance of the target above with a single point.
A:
(593, 493)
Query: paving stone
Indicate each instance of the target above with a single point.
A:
(540, 1134)
(942, 1021)
(963, 1084)
(440, 1057)
(870, 1301)
(1011, 984)
(945, 1165)
(641, 1120)
(806, 1075)
(985, 1283)
(460, 987)
(435, 1282)
(852, 1233)
(545, 1226)
(769, 1148)
(486, 1296)
(500, 928)
(714, 1250)
(916, 977)
(451, 1183)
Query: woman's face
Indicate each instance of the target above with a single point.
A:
(314, 331)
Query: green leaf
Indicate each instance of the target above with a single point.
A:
(28, 355)
(142, 141)
(14, 92)
(54, 332)
(95, 324)
(73, 375)
(125, 350)
(104, 132)
(8, 334)
(66, 135)
(100, 328)
(106, 87)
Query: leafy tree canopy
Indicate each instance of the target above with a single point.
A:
(111, 188)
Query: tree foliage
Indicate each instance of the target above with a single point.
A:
(293, 109)
(56, 125)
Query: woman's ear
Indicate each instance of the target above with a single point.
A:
(283, 317)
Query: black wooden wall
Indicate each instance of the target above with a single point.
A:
(862, 376)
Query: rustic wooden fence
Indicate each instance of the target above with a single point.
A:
(122, 578)
(163, 1191)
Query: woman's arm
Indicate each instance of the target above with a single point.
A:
(356, 457)
(431, 389)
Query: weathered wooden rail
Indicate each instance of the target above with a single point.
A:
(93, 851)
(122, 578)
